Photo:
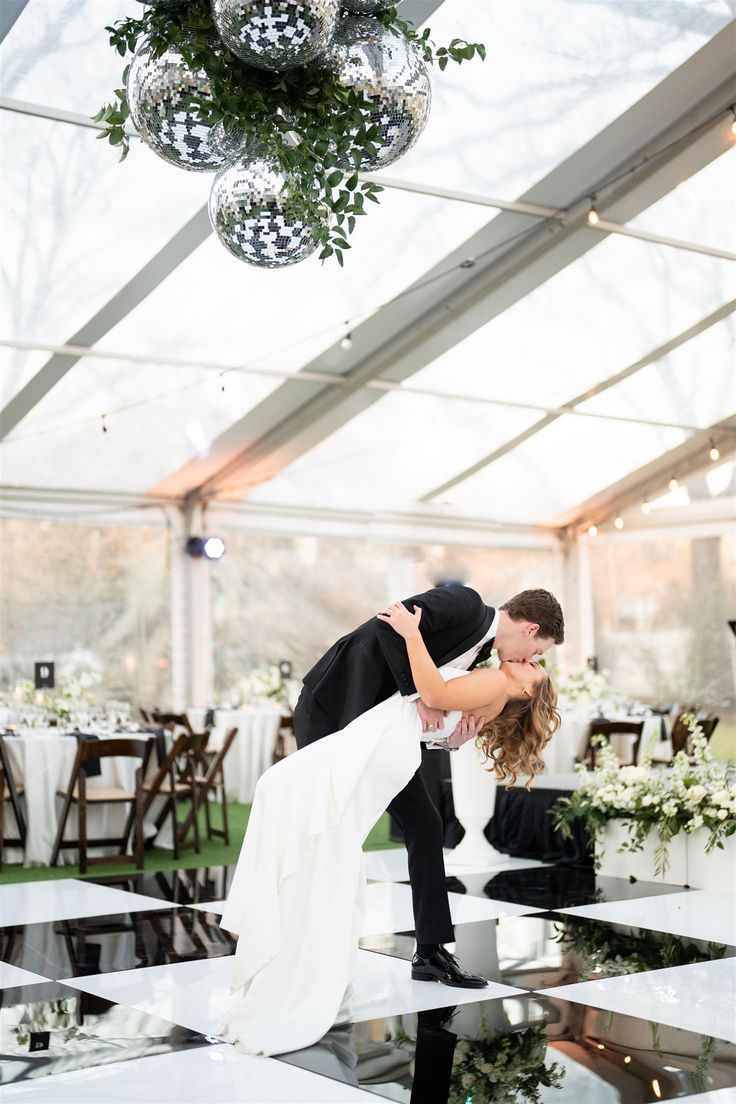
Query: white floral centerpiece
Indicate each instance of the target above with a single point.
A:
(697, 796)
(268, 684)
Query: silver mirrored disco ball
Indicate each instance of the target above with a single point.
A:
(368, 7)
(387, 69)
(276, 34)
(161, 112)
(247, 212)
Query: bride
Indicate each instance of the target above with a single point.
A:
(296, 899)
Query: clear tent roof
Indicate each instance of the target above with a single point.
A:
(475, 430)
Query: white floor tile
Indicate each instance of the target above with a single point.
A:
(389, 908)
(713, 1096)
(507, 862)
(195, 993)
(700, 997)
(387, 866)
(11, 976)
(35, 902)
(217, 1074)
(697, 913)
(383, 986)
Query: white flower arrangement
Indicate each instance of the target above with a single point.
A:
(693, 795)
(270, 683)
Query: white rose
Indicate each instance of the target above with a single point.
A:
(721, 797)
(697, 793)
(722, 814)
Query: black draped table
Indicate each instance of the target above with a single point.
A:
(520, 825)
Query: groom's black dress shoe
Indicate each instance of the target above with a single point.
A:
(443, 966)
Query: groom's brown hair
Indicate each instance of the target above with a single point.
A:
(541, 608)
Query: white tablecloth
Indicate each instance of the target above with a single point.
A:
(42, 760)
(252, 751)
(569, 741)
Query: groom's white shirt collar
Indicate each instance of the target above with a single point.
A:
(467, 657)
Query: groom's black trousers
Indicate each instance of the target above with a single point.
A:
(421, 823)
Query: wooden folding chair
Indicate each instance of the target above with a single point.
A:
(609, 729)
(175, 780)
(12, 791)
(212, 779)
(78, 794)
(178, 719)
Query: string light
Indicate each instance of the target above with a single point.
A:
(222, 382)
(733, 124)
(673, 484)
(619, 522)
(646, 506)
(347, 342)
(104, 426)
(592, 530)
(593, 217)
(713, 451)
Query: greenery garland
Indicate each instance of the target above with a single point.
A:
(304, 116)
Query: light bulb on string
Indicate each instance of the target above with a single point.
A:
(713, 452)
(646, 506)
(222, 382)
(592, 530)
(673, 484)
(347, 342)
(619, 522)
(733, 122)
(593, 217)
(104, 424)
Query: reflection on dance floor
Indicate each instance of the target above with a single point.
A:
(510, 1049)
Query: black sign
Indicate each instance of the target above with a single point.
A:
(40, 1040)
(43, 674)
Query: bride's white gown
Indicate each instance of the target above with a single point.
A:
(296, 900)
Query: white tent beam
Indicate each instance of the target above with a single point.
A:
(332, 381)
(425, 321)
(570, 407)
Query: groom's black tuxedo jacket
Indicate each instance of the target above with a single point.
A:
(367, 665)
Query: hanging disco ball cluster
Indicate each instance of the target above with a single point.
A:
(253, 204)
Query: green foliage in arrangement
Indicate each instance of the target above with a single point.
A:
(304, 116)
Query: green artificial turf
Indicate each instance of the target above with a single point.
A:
(212, 853)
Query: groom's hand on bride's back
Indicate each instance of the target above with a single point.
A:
(433, 720)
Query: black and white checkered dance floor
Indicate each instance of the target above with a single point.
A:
(625, 990)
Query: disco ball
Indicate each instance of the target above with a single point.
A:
(391, 73)
(159, 91)
(276, 34)
(368, 7)
(247, 211)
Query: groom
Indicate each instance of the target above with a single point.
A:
(369, 665)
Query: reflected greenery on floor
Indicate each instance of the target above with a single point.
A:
(212, 852)
(606, 950)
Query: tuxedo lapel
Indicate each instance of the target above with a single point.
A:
(472, 639)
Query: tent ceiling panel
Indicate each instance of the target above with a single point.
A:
(61, 444)
(217, 308)
(566, 462)
(390, 453)
(58, 54)
(77, 224)
(557, 73)
(607, 309)
(695, 384)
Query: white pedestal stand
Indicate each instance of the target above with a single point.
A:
(474, 796)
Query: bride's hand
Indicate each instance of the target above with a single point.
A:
(401, 621)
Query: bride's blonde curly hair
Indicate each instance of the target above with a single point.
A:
(515, 739)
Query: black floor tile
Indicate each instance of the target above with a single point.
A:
(48, 1028)
(124, 941)
(551, 949)
(554, 887)
(521, 1049)
(180, 887)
